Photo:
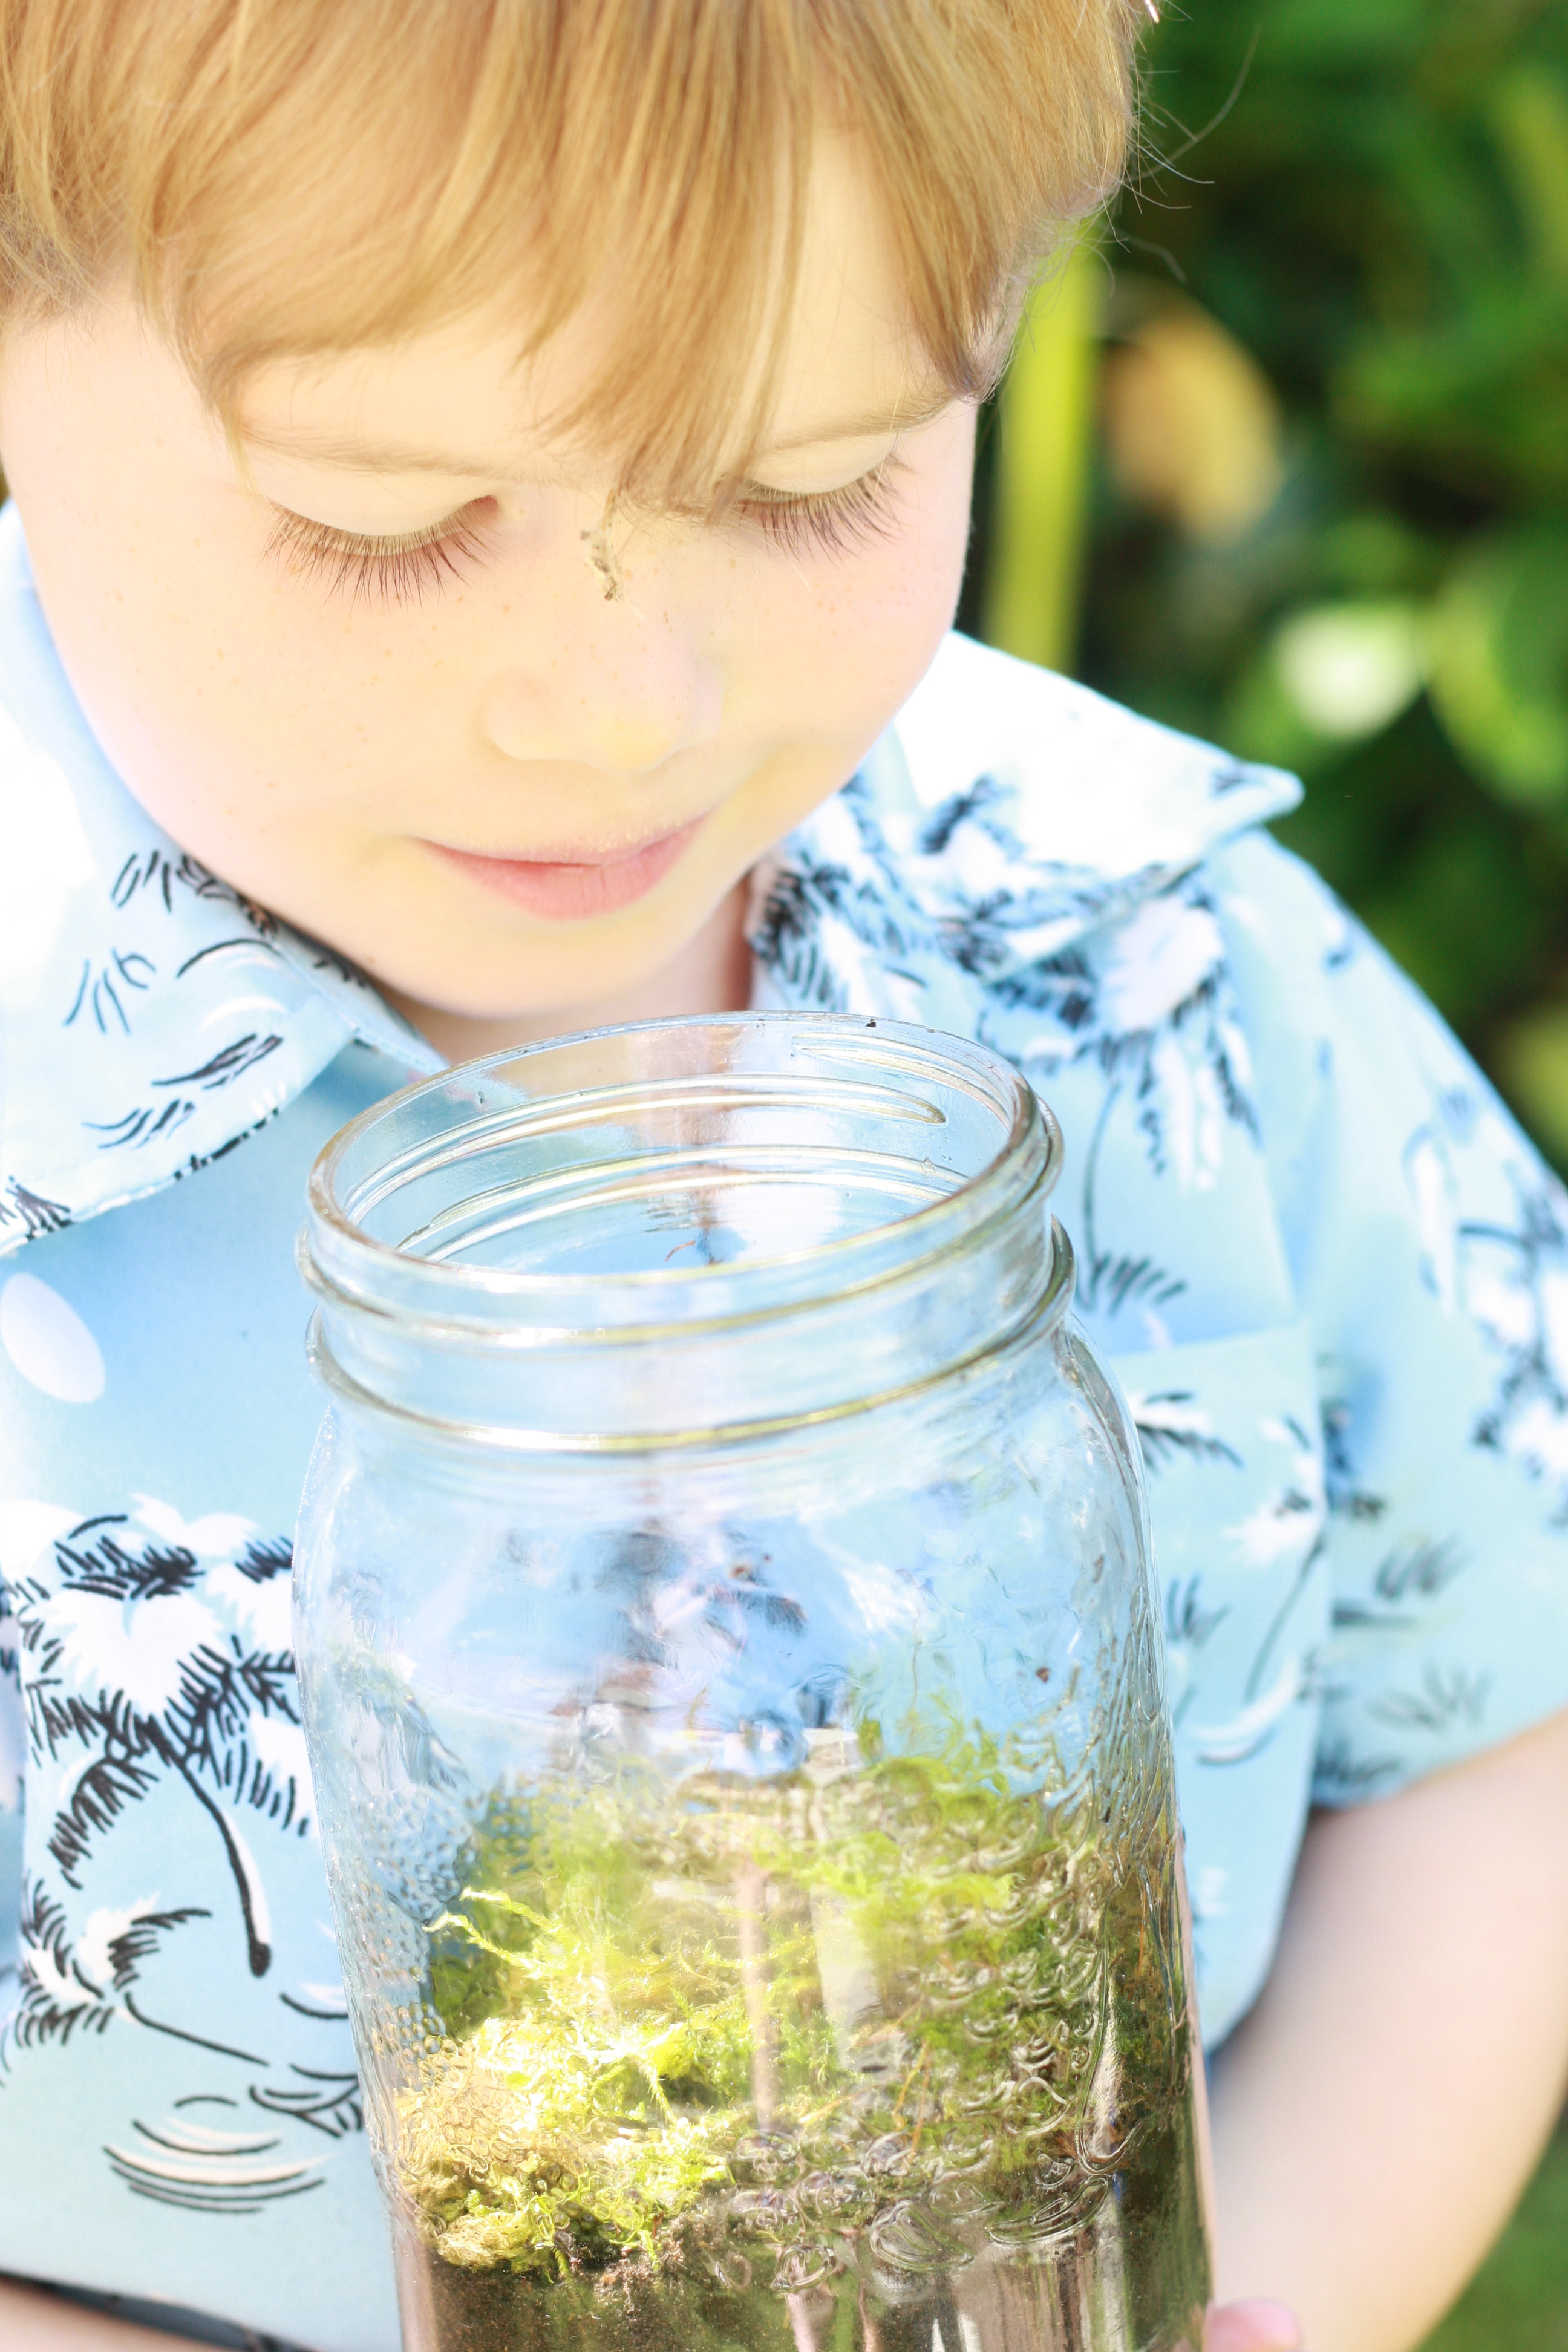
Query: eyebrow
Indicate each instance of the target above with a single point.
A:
(400, 457)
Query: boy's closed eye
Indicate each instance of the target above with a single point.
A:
(402, 567)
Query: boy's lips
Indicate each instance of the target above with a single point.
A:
(567, 889)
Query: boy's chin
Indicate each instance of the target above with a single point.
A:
(544, 1004)
(474, 985)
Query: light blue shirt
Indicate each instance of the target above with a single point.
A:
(1328, 1269)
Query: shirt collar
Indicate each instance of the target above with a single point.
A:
(1002, 838)
(1013, 812)
(150, 1016)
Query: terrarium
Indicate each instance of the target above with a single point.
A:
(734, 1695)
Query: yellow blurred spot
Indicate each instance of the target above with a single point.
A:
(1192, 423)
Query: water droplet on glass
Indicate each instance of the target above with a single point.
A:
(1030, 2225)
(909, 2237)
(767, 2154)
(890, 2155)
(772, 2210)
(804, 2266)
(825, 2196)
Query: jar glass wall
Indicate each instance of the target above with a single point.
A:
(732, 1681)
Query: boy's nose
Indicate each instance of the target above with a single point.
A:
(623, 710)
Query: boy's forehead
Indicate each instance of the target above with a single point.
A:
(458, 402)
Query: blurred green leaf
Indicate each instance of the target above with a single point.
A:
(1500, 663)
(1328, 676)
(1532, 1062)
(1529, 110)
(1461, 917)
(1337, 32)
(1352, 668)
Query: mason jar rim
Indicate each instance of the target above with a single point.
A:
(350, 1267)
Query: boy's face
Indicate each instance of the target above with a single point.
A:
(437, 744)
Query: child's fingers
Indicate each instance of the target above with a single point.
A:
(1255, 2326)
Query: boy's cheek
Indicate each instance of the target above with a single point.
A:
(873, 622)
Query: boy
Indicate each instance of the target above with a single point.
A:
(494, 477)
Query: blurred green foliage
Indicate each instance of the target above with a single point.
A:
(1370, 198)
(1518, 2301)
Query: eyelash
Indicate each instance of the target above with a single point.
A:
(400, 569)
(383, 571)
(827, 522)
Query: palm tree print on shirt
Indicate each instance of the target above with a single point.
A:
(157, 1682)
(200, 1688)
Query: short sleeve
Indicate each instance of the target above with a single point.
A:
(1429, 1248)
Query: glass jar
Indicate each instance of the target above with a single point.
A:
(734, 1694)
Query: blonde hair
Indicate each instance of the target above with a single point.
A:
(286, 178)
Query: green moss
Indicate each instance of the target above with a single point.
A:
(681, 2018)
